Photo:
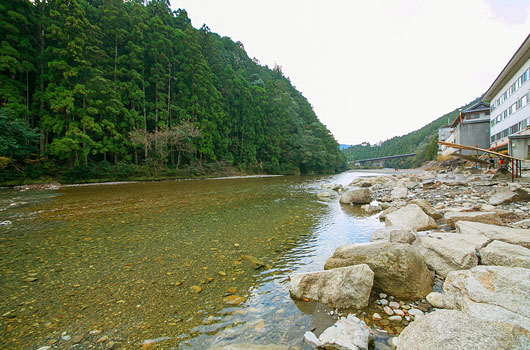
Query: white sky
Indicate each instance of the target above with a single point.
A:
(374, 69)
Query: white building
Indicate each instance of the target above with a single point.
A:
(508, 97)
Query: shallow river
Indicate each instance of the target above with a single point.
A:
(152, 264)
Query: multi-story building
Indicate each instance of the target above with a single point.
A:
(472, 127)
(509, 98)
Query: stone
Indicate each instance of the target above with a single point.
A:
(491, 293)
(249, 346)
(357, 196)
(383, 234)
(376, 317)
(402, 236)
(409, 279)
(446, 252)
(410, 216)
(426, 207)
(399, 312)
(369, 208)
(436, 300)
(388, 310)
(77, 339)
(454, 330)
(348, 333)
(394, 305)
(502, 195)
(254, 262)
(395, 318)
(196, 289)
(234, 300)
(222, 273)
(383, 302)
(345, 287)
(311, 339)
(485, 217)
(399, 193)
(416, 312)
(505, 254)
(232, 290)
(495, 232)
(324, 194)
(522, 224)
(102, 339)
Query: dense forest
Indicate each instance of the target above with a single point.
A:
(107, 88)
(423, 142)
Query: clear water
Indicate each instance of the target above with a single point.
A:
(120, 260)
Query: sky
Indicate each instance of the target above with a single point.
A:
(374, 69)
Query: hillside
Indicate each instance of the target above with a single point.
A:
(422, 142)
(95, 89)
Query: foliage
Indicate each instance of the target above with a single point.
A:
(422, 142)
(133, 83)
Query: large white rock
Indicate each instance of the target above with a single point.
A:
(348, 333)
(383, 234)
(399, 193)
(446, 252)
(346, 287)
(426, 207)
(454, 330)
(357, 196)
(495, 232)
(399, 269)
(505, 254)
(492, 293)
(502, 195)
(485, 217)
(410, 216)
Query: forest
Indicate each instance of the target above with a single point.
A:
(423, 142)
(106, 89)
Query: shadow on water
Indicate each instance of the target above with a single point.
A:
(125, 261)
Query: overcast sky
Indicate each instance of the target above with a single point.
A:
(374, 69)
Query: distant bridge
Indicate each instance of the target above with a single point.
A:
(382, 159)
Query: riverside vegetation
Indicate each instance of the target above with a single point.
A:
(451, 269)
(93, 89)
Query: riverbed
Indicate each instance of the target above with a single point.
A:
(159, 264)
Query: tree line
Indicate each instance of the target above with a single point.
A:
(98, 83)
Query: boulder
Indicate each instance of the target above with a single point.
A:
(402, 236)
(495, 232)
(505, 254)
(492, 293)
(346, 287)
(371, 208)
(398, 268)
(436, 299)
(383, 234)
(357, 196)
(387, 211)
(502, 195)
(454, 330)
(324, 194)
(426, 207)
(446, 252)
(348, 333)
(410, 216)
(485, 217)
(399, 193)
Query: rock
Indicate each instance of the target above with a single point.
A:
(196, 289)
(446, 252)
(248, 346)
(388, 311)
(357, 196)
(234, 300)
(371, 208)
(426, 207)
(492, 293)
(77, 339)
(487, 207)
(505, 254)
(485, 217)
(502, 195)
(44, 347)
(387, 211)
(232, 290)
(324, 194)
(348, 333)
(410, 216)
(383, 234)
(454, 330)
(255, 262)
(102, 339)
(376, 317)
(222, 273)
(399, 193)
(395, 318)
(402, 236)
(416, 312)
(409, 279)
(436, 300)
(342, 287)
(311, 339)
(394, 305)
(522, 224)
(383, 302)
(495, 232)
(399, 312)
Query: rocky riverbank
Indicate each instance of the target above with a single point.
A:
(451, 269)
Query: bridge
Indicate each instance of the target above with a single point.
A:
(381, 160)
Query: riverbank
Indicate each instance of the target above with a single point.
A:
(453, 259)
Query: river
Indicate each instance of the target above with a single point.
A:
(150, 264)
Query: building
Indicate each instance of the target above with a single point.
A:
(443, 134)
(509, 110)
(472, 127)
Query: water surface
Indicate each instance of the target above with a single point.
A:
(119, 260)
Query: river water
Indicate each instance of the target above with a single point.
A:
(152, 264)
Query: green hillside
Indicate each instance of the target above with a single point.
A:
(422, 142)
(119, 89)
